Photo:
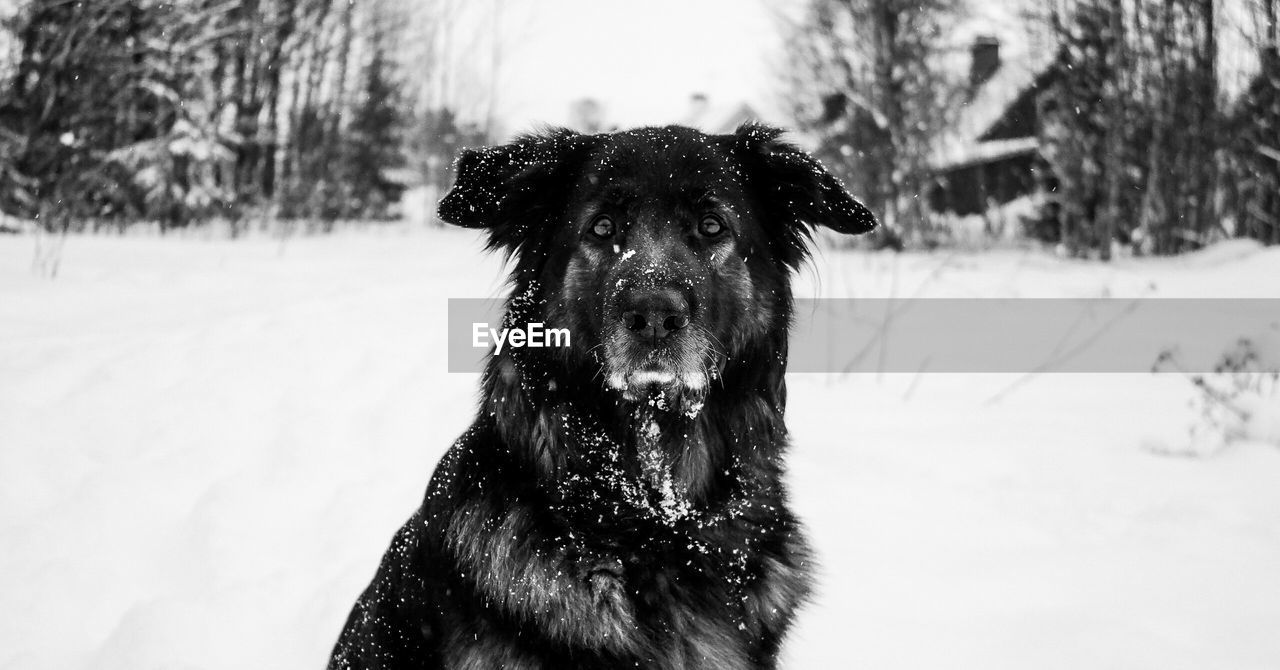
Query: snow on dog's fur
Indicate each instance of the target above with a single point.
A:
(618, 503)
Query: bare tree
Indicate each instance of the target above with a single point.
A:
(457, 51)
(176, 111)
(1255, 127)
(866, 78)
(1132, 125)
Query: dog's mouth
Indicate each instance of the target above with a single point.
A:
(652, 379)
(677, 369)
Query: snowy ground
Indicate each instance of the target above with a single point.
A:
(205, 446)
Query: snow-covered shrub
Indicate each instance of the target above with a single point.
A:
(1238, 401)
(175, 174)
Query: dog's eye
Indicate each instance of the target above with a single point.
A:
(602, 227)
(710, 226)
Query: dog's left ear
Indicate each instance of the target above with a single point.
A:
(510, 188)
(795, 185)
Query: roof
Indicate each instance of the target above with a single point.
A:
(964, 143)
(400, 176)
(988, 151)
(1025, 54)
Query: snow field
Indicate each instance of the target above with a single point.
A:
(205, 447)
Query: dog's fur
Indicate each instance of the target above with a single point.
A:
(618, 503)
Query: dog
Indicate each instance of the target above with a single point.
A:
(618, 503)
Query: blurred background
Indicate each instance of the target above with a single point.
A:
(223, 306)
(1103, 127)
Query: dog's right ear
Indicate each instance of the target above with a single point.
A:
(511, 188)
(802, 190)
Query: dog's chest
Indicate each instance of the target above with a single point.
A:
(696, 612)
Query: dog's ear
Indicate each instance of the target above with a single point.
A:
(795, 185)
(510, 188)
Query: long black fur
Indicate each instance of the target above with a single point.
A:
(543, 541)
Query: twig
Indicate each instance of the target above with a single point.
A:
(1209, 391)
(896, 309)
(915, 381)
(1055, 360)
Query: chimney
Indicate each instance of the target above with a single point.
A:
(698, 105)
(986, 60)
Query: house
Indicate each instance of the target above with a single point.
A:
(589, 115)
(715, 118)
(991, 156)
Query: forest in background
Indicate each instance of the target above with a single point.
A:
(114, 112)
(1138, 142)
(174, 113)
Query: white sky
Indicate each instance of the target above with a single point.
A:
(641, 60)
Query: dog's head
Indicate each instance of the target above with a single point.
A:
(665, 252)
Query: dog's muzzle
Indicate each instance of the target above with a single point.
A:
(654, 343)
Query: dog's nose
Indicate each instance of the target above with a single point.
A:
(653, 314)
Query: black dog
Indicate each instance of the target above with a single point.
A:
(618, 503)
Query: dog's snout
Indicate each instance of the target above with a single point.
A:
(653, 314)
